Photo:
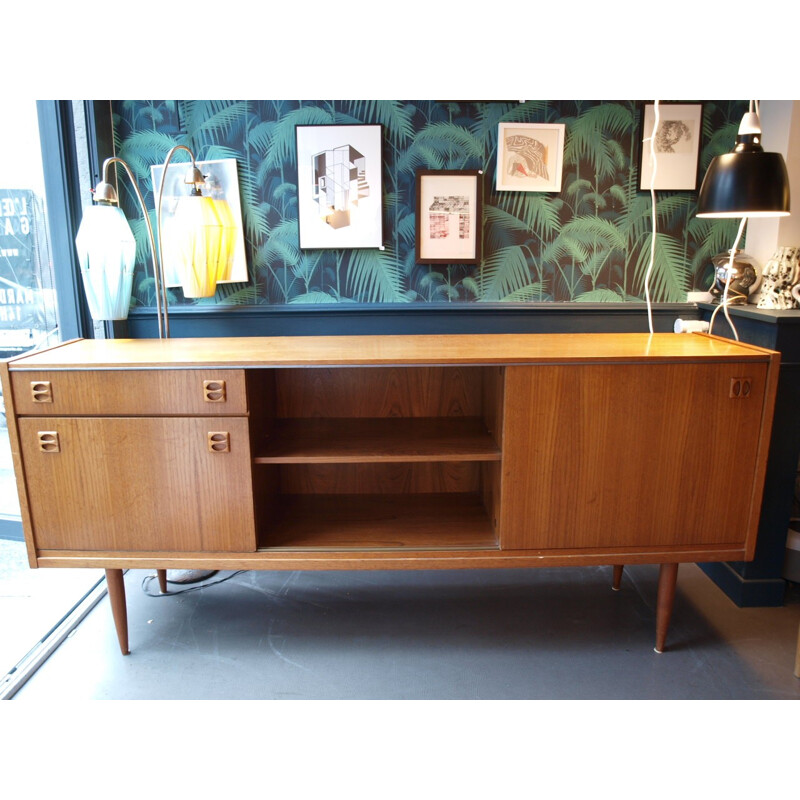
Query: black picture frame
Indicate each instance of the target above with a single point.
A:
(449, 216)
(680, 129)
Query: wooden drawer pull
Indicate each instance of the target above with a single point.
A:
(219, 442)
(741, 388)
(41, 392)
(214, 391)
(48, 441)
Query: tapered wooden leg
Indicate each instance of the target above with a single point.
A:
(617, 576)
(162, 580)
(116, 594)
(667, 578)
(797, 657)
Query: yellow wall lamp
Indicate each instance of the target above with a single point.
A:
(199, 241)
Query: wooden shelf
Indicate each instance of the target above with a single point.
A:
(366, 522)
(348, 440)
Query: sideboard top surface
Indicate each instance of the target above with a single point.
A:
(285, 351)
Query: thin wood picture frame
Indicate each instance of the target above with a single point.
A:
(339, 186)
(530, 156)
(677, 146)
(449, 216)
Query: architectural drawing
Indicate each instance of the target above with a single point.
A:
(448, 213)
(339, 183)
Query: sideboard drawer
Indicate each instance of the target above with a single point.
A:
(206, 392)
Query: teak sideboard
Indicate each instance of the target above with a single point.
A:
(391, 452)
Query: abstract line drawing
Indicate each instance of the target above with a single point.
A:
(447, 209)
(530, 156)
(339, 177)
(526, 157)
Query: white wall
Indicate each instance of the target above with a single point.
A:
(780, 123)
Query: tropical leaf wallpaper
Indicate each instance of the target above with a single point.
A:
(588, 243)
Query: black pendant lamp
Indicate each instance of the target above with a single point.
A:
(746, 182)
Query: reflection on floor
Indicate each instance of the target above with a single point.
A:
(505, 634)
(32, 601)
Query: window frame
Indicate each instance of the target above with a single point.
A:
(64, 211)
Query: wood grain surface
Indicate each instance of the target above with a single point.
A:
(362, 522)
(410, 478)
(285, 351)
(129, 392)
(610, 455)
(379, 392)
(490, 557)
(139, 483)
(374, 440)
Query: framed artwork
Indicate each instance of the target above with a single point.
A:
(222, 183)
(449, 216)
(530, 157)
(677, 146)
(339, 186)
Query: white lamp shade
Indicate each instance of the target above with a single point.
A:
(107, 254)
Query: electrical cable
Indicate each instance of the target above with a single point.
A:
(724, 299)
(148, 578)
(754, 106)
(654, 161)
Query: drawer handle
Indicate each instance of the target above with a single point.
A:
(214, 391)
(219, 442)
(48, 441)
(741, 388)
(41, 392)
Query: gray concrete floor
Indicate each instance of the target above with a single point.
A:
(32, 601)
(434, 635)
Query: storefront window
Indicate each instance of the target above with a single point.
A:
(28, 316)
(31, 601)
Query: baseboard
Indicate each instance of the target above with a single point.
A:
(746, 593)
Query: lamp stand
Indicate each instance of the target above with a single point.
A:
(107, 193)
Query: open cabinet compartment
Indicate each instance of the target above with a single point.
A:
(376, 457)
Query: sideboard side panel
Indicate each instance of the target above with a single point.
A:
(16, 458)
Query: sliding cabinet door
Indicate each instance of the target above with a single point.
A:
(630, 455)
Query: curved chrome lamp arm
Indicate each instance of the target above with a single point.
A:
(197, 178)
(106, 193)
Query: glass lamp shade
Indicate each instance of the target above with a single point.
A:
(198, 243)
(228, 246)
(107, 254)
(745, 184)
